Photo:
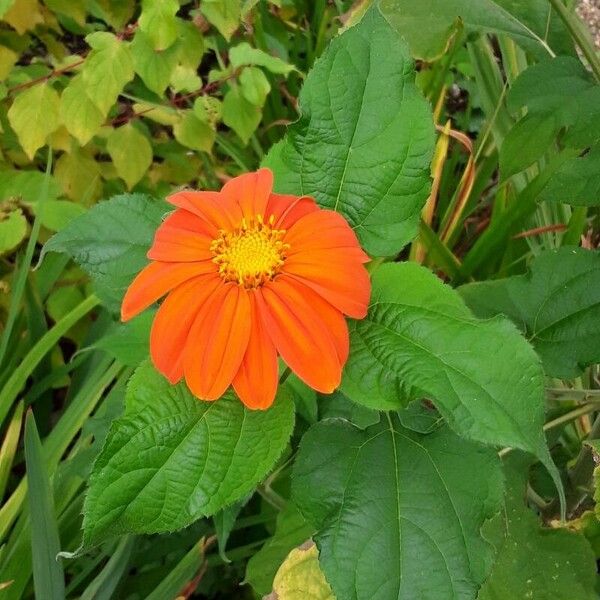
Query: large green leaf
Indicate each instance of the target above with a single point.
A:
(398, 513)
(365, 138)
(110, 242)
(172, 459)
(419, 340)
(556, 305)
(532, 561)
(428, 24)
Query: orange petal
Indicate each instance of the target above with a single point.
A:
(323, 230)
(182, 237)
(155, 280)
(310, 335)
(173, 321)
(256, 380)
(217, 209)
(251, 191)
(286, 210)
(217, 342)
(342, 282)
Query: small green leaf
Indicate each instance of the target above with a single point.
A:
(131, 153)
(255, 86)
(300, 576)
(107, 68)
(577, 181)
(225, 15)
(129, 343)
(419, 340)
(291, 530)
(193, 133)
(48, 577)
(556, 305)
(243, 55)
(411, 504)
(34, 115)
(338, 406)
(153, 66)
(110, 242)
(158, 21)
(172, 459)
(240, 114)
(78, 113)
(57, 214)
(364, 142)
(526, 142)
(13, 229)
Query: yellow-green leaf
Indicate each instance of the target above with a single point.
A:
(107, 69)
(194, 133)
(13, 229)
(79, 177)
(239, 114)
(153, 66)
(23, 15)
(159, 22)
(34, 116)
(131, 153)
(300, 577)
(225, 15)
(255, 85)
(82, 118)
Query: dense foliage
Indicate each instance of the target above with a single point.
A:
(461, 142)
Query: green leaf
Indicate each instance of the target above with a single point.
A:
(78, 176)
(526, 142)
(533, 561)
(153, 66)
(224, 521)
(110, 242)
(291, 530)
(107, 68)
(556, 305)
(129, 343)
(243, 55)
(419, 340)
(225, 15)
(300, 576)
(254, 85)
(78, 113)
(365, 139)
(57, 214)
(48, 577)
(131, 153)
(158, 21)
(338, 406)
(549, 85)
(172, 459)
(34, 115)
(13, 230)
(427, 25)
(411, 504)
(27, 185)
(194, 133)
(576, 182)
(240, 114)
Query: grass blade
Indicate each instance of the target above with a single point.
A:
(9, 447)
(48, 577)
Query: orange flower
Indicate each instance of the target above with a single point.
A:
(250, 274)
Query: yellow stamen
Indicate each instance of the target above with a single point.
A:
(252, 254)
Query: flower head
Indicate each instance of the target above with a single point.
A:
(249, 275)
